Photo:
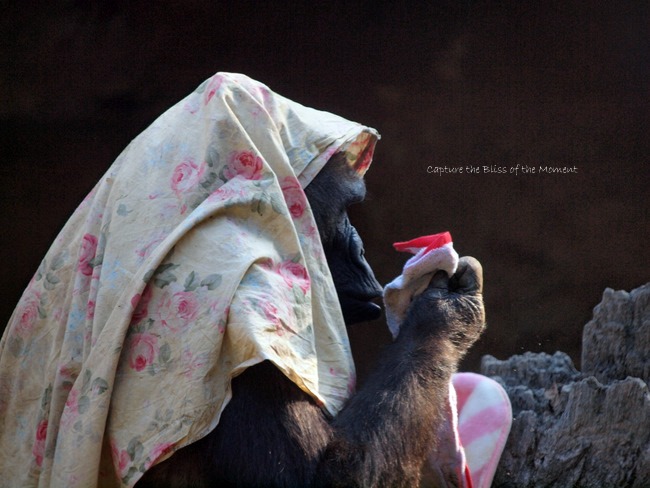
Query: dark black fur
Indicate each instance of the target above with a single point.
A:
(272, 434)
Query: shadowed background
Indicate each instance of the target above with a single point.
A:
(446, 84)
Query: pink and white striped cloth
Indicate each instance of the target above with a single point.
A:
(478, 411)
(484, 419)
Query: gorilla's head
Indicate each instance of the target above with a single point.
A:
(332, 191)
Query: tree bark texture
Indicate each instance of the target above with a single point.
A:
(589, 428)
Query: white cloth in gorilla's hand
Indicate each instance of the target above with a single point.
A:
(432, 254)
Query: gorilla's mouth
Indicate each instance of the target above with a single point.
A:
(362, 309)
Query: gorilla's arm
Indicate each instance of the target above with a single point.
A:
(273, 434)
(387, 430)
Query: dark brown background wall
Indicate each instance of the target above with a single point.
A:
(446, 83)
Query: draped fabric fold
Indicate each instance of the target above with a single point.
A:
(195, 256)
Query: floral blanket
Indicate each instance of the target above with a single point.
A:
(194, 257)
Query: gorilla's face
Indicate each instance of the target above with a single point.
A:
(331, 192)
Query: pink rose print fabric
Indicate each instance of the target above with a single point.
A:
(294, 196)
(294, 274)
(186, 176)
(195, 256)
(245, 164)
(87, 255)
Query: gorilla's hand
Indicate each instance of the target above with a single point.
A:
(450, 308)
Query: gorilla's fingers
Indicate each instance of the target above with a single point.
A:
(440, 281)
(468, 277)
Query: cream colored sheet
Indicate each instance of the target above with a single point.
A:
(194, 257)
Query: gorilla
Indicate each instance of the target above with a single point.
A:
(272, 434)
(184, 325)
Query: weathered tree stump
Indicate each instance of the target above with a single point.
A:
(589, 428)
